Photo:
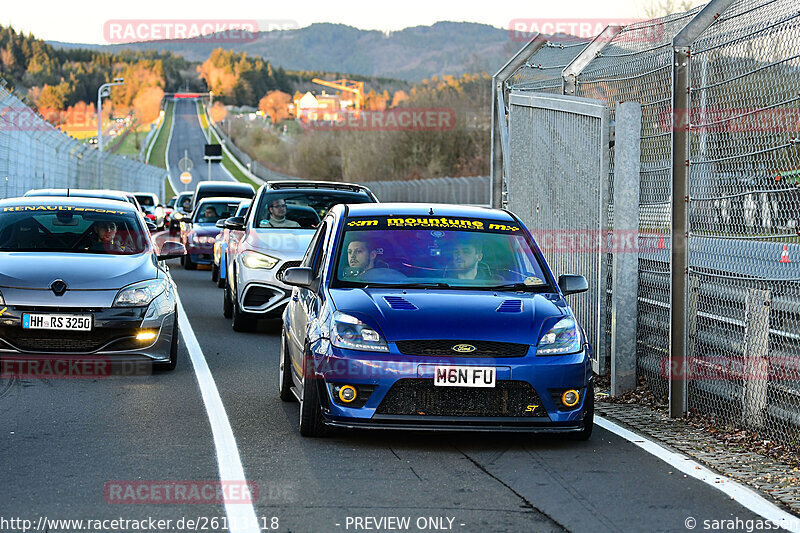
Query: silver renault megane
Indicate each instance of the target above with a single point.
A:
(81, 276)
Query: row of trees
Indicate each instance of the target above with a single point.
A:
(339, 154)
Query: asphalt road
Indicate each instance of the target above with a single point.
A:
(188, 140)
(64, 441)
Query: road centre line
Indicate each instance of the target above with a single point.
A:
(241, 516)
(742, 494)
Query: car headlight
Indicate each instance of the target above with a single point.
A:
(351, 333)
(177, 216)
(258, 260)
(563, 338)
(140, 294)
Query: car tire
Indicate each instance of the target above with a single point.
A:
(286, 382)
(214, 273)
(173, 349)
(188, 264)
(242, 321)
(311, 421)
(588, 419)
(227, 302)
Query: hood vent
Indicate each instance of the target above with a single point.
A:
(399, 303)
(510, 306)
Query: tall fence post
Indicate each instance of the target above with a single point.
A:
(499, 117)
(756, 365)
(679, 260)
(625, 276)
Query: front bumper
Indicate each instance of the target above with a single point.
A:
(201, 254)
(259, 292)
(112, 337)
(400, 393)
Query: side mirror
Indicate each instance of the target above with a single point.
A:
(572, 284)
(171, 250)
(221, 223)
(151, 226)
(298, 277)
(235, 223)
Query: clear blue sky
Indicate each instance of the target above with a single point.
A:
(84, 21)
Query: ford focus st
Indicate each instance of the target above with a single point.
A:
(80, 276)
(433, 317)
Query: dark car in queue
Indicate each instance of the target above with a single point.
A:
(80, 276)
(436, 317)
(274, 237)
(199, 232)
(222, 189)
(218, 270)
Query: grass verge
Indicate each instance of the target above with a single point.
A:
(158, 154)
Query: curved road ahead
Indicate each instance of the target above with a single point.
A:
(188, 140)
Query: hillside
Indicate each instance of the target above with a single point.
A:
(411, 54)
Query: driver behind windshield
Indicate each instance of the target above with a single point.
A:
(466, 258)
(104, 237)
(277, 216)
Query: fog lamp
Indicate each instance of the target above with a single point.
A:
(570, 398)
(347, 393)
(145, 336)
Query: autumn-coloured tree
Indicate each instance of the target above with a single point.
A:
(147, 104)
(238, 79)
(399, 97)
(54, 97)
(217, 112)
(275, 104)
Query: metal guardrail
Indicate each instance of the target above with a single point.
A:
(36, 154)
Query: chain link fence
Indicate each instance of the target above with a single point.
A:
(741, 127)
(35, 154)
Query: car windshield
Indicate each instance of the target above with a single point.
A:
(210, 212)
(145, 200)
(438, 252)
(302, 208)
(70, 228)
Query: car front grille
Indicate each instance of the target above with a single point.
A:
(421, 397)
(69, 341)
(444, 348)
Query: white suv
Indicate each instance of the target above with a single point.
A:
(274, 236)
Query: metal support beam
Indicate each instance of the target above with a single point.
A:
(624, 299)
(570, 73)
(500, 116)
(679, 264)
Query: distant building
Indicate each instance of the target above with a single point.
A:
(320, 108)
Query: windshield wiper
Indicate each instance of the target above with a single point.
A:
(520, 287)
(422, 285)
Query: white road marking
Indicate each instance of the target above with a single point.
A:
(744, 495)
(166, 150)
(241, 516)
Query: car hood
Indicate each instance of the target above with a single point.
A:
(32, 270)
(290, 243)
(205, 230)
(453, 314)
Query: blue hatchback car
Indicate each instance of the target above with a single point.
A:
(437, 317)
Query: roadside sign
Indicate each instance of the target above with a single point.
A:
(185, 164)
(186, 177)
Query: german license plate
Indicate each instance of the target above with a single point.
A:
(464, 376)
(60, 322)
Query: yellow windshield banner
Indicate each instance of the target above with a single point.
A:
(449, 223)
